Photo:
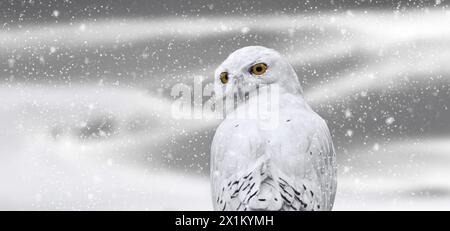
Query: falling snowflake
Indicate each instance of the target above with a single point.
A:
(390, 120)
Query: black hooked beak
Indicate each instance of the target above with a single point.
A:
(242, 90)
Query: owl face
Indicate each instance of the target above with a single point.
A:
(250, 67)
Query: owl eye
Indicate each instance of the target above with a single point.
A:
(224, 77)
(258, 69)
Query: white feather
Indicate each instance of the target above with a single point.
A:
(289, 166)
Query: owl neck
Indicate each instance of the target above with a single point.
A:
(290, 82)
(291, 87)
(267, 97)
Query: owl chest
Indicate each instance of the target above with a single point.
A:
(284, 144)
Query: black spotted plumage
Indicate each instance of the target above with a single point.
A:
(246, 187)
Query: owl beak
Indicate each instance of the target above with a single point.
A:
(241, 90)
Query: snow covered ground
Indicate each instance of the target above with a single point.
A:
(86, 123)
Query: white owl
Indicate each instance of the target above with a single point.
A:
(289, 166)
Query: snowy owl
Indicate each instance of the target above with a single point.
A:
(288, 167)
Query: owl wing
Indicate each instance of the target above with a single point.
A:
(317, 191)
(265, 186)
(326, 165)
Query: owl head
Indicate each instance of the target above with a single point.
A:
(254, 66)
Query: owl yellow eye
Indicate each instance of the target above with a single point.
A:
(258, 69)
(224, 77)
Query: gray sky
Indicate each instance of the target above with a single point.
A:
(36, 11)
